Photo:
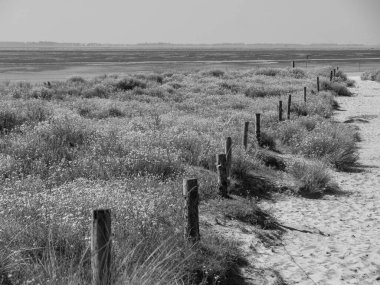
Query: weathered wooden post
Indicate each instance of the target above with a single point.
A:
(337, 68)
(304, 94)
(245, 135)
(334, 72)
(228, 156)
(258, 129)
(289, 105)
(222, 175)
(191, 212)
(293, 64)
(317, 83)
(101, 247)
(331, 75)
(280, 110)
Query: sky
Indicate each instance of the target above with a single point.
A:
(191, 21)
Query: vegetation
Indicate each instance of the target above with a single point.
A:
(371, 75)
(127, 143)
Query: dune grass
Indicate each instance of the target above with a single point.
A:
(371, 75)
(126, 144)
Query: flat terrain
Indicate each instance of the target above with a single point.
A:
(60, 64)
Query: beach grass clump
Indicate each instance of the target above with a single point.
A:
(338, 88)
(214, 73)
(268, 71)
(76, 79)
(313, 176)
(371, 75)
(328, 142)
(126, 84)
(14, 114)
(98, 91)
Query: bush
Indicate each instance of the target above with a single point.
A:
(336, 87)
(76, 79)
(294, 72)
(96, 91)
(371, 75)
(268, 71)
(130, 84)
(215, 73)
(17, 113)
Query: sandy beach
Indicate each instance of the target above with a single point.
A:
(349, 252)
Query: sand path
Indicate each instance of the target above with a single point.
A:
(350, 254)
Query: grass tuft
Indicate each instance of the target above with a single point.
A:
(313, 176)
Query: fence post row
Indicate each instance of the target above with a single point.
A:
(101, 247)
(280, 110)
(304, 94)
(289, 105)
(191, 212)
(245, 135)
(258, 128)
(228, 156)
(222, 175)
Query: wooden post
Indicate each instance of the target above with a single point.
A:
(191, 212)
(317, 83)
(222, 175)
(258, 131)
(280, 110)
(289, 105)
(331, 75)
(101, 247)
(245, 135)
(228, 156)
(337, 68)
(334, 72)
(293, 64)
(212, 163)
(304, 94)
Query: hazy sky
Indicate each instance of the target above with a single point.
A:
(191, 21)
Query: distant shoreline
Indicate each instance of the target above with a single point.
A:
(54, 45)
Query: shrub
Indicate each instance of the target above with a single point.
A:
(336, 87)
(115, 112)
(96, 91)
(130, 84)
(294, 72)
(300, 109)
(230, 86)
(268, 71)
(157, 78)
(215, 73)
(351, 83)
(17, 113)
(371, 75)
(267, 141)
(76, 79)
(341, 75)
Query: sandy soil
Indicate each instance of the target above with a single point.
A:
(349, 253)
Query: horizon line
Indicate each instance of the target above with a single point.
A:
(184, 44)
